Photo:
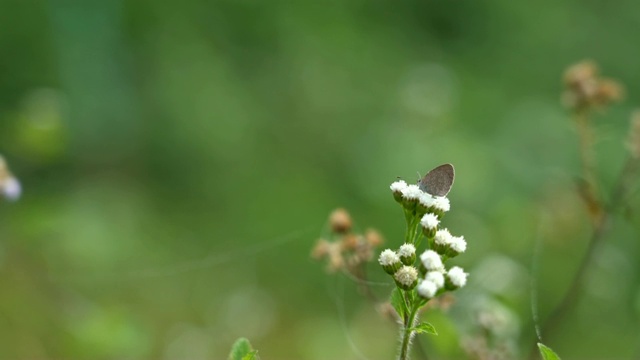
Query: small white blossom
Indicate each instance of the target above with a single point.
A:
(411, 192)
(441, 203)
(443, 237)
(426, 200)
(435, 277)
(429, 221)
(11, 188)
(406, 276)
(457, 276)
(427, 289)
(431, 260)
(407, 250)
(388, 257)
(398, 186)
(458, 244)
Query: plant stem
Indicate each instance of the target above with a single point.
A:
(407, 332)
(410, 223)
(589, 190)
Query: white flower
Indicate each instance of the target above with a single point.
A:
(435, 277)
(406, 276)
(11, 188)
(458, 244)
(388, 257)
(398, 186)
(427, 289)
(407, 250)
(429, 221)
(411, 192)
(443, 237)
(441, 203)
(426, 200)
(431, 260)
(457, 276)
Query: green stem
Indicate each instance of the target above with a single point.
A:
(417, 234)
(406, 333)
(409, 217)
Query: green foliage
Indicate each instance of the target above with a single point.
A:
(425, 328)
(169, 149)
(242, 350)
(547, 353)
(397, 301)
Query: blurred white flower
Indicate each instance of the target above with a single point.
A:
(11, 188)
(427, 289)
(431, 260)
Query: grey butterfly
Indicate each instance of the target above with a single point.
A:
(438, 181)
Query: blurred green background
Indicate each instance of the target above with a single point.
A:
(179, 160)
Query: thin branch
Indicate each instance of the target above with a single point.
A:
(589, 189)
(600, 232)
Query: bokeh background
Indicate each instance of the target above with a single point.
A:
(180, 159)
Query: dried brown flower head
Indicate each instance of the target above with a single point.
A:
(584, 88)
(340, 221)
(346, 250)
(374, 238)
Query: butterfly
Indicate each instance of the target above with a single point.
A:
(438, 181)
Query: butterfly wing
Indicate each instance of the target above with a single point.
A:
(438, 181)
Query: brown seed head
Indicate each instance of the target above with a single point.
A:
(336, 261)
(350, 242)
(321, 249)
(608, 91)
(584, 88)
(340, 221)
(576, 75)
(373, 237)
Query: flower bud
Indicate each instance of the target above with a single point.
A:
(427, 289)
(397, 187)
(441, 205)
(410, 196)
(457, 245)
(407, 254)
(429, 223)
(390, 261)
(425, 203)
(431, 261)
(456, 278)
(441, 241)
(406, 278)
(435, 277)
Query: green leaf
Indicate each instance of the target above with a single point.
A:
(425, 328)
(397, 301)
(242, 350)
(251, 356)
(547, 353)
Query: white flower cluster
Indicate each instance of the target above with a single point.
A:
(437, 277)
(399, 264)
(411, 195)
(428, 209)
(445, 243)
